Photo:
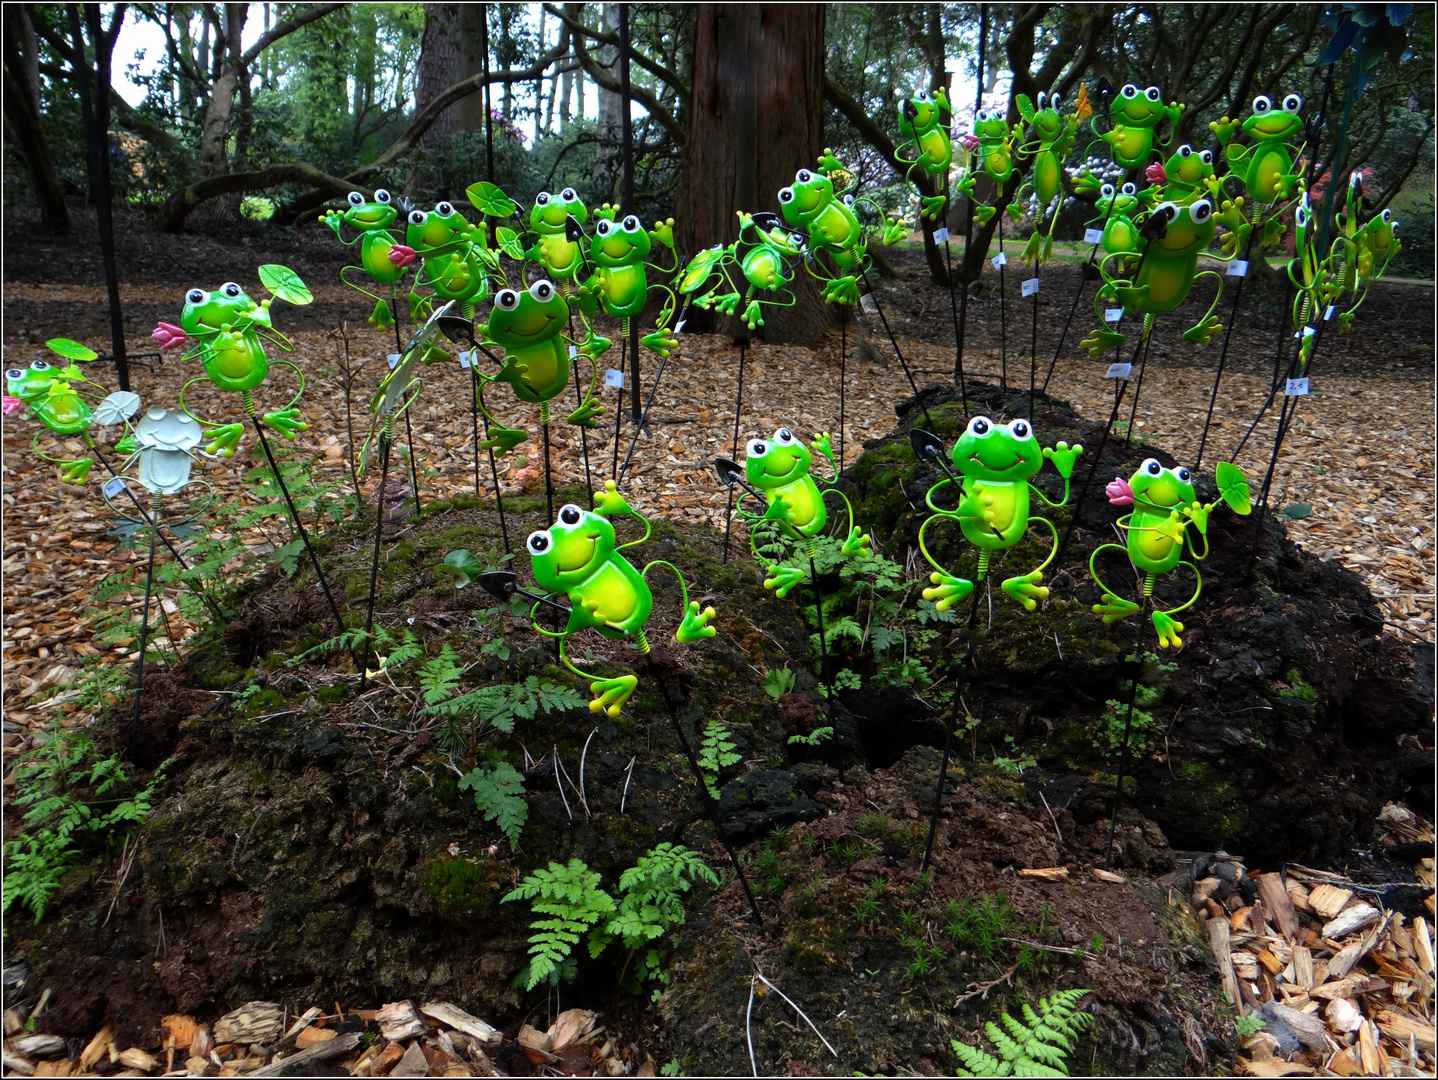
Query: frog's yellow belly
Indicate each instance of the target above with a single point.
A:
(806, 506)
(615, 593)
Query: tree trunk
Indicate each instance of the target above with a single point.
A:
(228, 54)
(611, 108)
(756, 120)
(22, 118)
(469, 113)
(566, 92)
(439, 68)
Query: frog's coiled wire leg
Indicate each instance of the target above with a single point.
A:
(360, 288)
(1108, 592)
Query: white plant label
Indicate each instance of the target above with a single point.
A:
(1329, 313)
(466, 358)
(1118, 371)
(1031, 286)
(573, 352)
(1238, 268)
(1296, 388)
(679, 327)
(393, 359)
(941, 236)
(614, 377)
(867, 303)
(114, 487)
(1113, 314)
(1309, 331)
(1000, 261)
(1093, 236)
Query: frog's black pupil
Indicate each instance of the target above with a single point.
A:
(1154, 468)
(570, 516)
(804, 176)
(1021, 430)
(980, 427)
(1183, 475)
(756, 448)
(14, 373)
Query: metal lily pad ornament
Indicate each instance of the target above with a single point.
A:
(1156, 530)
(995, 464)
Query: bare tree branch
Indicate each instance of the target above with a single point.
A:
(655, 68)
(284, 29)
(636, 92)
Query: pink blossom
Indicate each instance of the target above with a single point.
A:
(1155, 174)
(169, 336)
(1118, 491)
(971, 142)
(10, 404)
(401, 255)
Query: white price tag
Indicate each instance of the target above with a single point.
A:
(1000, 261)
(679, 327)
(573, 351)
(1296, 388)
(1118, 371)
(1113, 314)
(1309, 331)
(941, 236)
(1031, 286)
(868, 304)
(1093, 236)
(466, 358)
(614, 377)
(1237, 268)
(392, 359)
(1329, 313)
(113, 487)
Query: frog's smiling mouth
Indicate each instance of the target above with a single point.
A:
(788, 474)
(588, 558)
(548, 319)
(1018, 460)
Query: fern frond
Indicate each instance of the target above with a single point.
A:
(975, 1062)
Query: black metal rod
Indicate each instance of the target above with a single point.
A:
(145, 615)
(1003, 320)
(1123, 759)
(823, 645)
(734, 448)
(408, 430)
(548, 476)
(494, 472)
(618, 419)
(374, 558)
(474, 415)
(884, 319)
(1034, 337)
(843, 370)
(1078, 293)
(1146, 344)
(488, 107)
(963, 323)
(949, 733)
(709, 803)
(583, 433)
(1223, 353)
(1272, 388)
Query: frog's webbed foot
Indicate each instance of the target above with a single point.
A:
(286, 421)
(504, 439)
(950, 590)
(727, 304)
(1203, 333)
(662, 342)
(695, 624)
(1113, 608)
(382, 318)
(1198, 514)
(1064, 456)
(894, 231)
(664, 232)
(1168, 628)
(594, 346)
(586, 415)
(224, 439)
(983, 214)
(841, 290)
(857, 544)
(609, 502)
(1272, 232)
(933, 205)
(783, 578)
(1224, 130)
(611, 694)
(76, 471)
(824, 443)
(126, 446)
(1345, 320)
(1026, 589)
(1033, 247)
(1101, 341)
(753, 315)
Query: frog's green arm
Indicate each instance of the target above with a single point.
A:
(683, 586)
(299, 374)
(358, 288)
(929, 498)
(185, 408)
(1197, 588)
(1049, 502)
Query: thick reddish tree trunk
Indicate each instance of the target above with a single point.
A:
(756, 120)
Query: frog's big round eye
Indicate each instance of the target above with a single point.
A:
(230, 289)
(803, 176)
(1152, 467)
(1129, 91)
(195, 296)
(1153, 94)
(506, 299)
(1387, 216)
(1019, 429)
(569, 194)
(570, 514)
(381, 196)
(542, 199)
(631, 224)
(1185, 150)
(1168, 211)
(1261, 104)
(758, 448)
(786, 195)
(1041, 97)
(541, 290)
(980, 426)
(418, 217)
(39, 365)
(603, 226)
(1054, 99)
(444, 209)
(1300, 216)
(1130, 189)
(1106, 191)
(1184, 475)
(1292, 103)
(15, 373)
(1201, 211)
(356, 199)
(784, 435)
(1206, 157)
(538, 542)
